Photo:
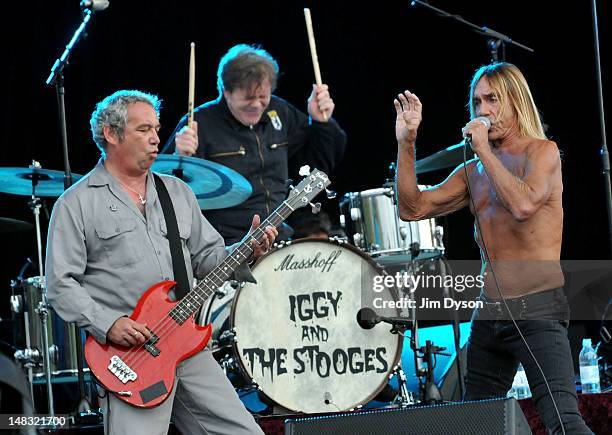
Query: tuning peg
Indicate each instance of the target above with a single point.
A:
(316, 207)
(304, 171)
(330, 193)
(289, 183)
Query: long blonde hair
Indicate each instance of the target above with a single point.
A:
(513, 92)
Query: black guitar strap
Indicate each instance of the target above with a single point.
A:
(176, 251)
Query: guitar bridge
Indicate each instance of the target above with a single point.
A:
(121, 370)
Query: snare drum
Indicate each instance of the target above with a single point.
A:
(371, 221)
(295, 332)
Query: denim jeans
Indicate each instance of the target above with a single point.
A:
(494, 351)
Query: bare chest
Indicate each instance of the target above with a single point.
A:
(482, 191)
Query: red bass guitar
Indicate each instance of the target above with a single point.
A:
(143, 376)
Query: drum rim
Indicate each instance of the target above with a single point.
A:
(242, 369)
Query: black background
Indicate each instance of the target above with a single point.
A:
(368, 52)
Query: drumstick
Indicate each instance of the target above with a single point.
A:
(190, 102)
(313, 50)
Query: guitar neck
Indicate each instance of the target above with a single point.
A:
(215, 279)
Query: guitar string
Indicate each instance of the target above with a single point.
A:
(167, 325)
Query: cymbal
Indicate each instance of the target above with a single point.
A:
(215, 186)
(18, 181)
(447, 158)
(8, 225)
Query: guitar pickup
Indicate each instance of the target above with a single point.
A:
(150, 344)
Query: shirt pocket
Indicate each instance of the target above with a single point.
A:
(119, 241)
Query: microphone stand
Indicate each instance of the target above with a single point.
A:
(56, 77)
(496, 40)
(456, 330)
(605, 156)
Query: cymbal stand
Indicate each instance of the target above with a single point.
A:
(42, 310)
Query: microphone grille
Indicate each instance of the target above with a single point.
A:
(486, 121)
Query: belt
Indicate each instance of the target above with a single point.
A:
(519, 307)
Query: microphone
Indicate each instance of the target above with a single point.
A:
(487, 123)
(94, 5)
(367, 319)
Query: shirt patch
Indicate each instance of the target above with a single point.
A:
(276, 122)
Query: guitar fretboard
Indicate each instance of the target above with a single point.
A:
(215, 279)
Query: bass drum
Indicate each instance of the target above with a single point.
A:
(296, 333)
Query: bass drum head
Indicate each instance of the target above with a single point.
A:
(296, 331)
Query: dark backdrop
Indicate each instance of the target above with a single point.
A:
(368, 53)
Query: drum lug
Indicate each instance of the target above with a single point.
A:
(357, 239)
(16, 304)
(53, 354)
(438, 235)
(355, 214)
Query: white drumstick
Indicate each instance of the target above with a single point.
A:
(313, 50)
(190, 102)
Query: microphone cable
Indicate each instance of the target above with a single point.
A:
(488, 259)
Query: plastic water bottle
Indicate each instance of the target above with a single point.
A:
(520, 386)
(589, 369)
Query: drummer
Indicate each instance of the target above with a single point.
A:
(255, 133)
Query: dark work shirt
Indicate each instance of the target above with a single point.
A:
(261, 154)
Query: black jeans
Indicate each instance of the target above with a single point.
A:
(495, 349)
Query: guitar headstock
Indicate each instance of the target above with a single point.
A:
(313, 184)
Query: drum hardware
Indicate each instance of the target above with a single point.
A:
(428, 390)
(404, 398)
(34, 182)
(35, 205)
(372, 223)
(367, 318)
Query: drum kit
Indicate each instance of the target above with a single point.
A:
(295, 330)
(293, 337)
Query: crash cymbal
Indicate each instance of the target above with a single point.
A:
(18, 181)
(8, 225)
(216, 186)
(447, 158)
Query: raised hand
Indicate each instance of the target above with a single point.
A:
(409, 114)
(187, 140)
(320, 103)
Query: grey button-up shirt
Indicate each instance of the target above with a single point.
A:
(103, 253)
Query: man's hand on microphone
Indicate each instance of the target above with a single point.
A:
(409, 114)
(478, 132)
(187, 140)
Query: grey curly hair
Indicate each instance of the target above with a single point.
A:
(112, 111)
